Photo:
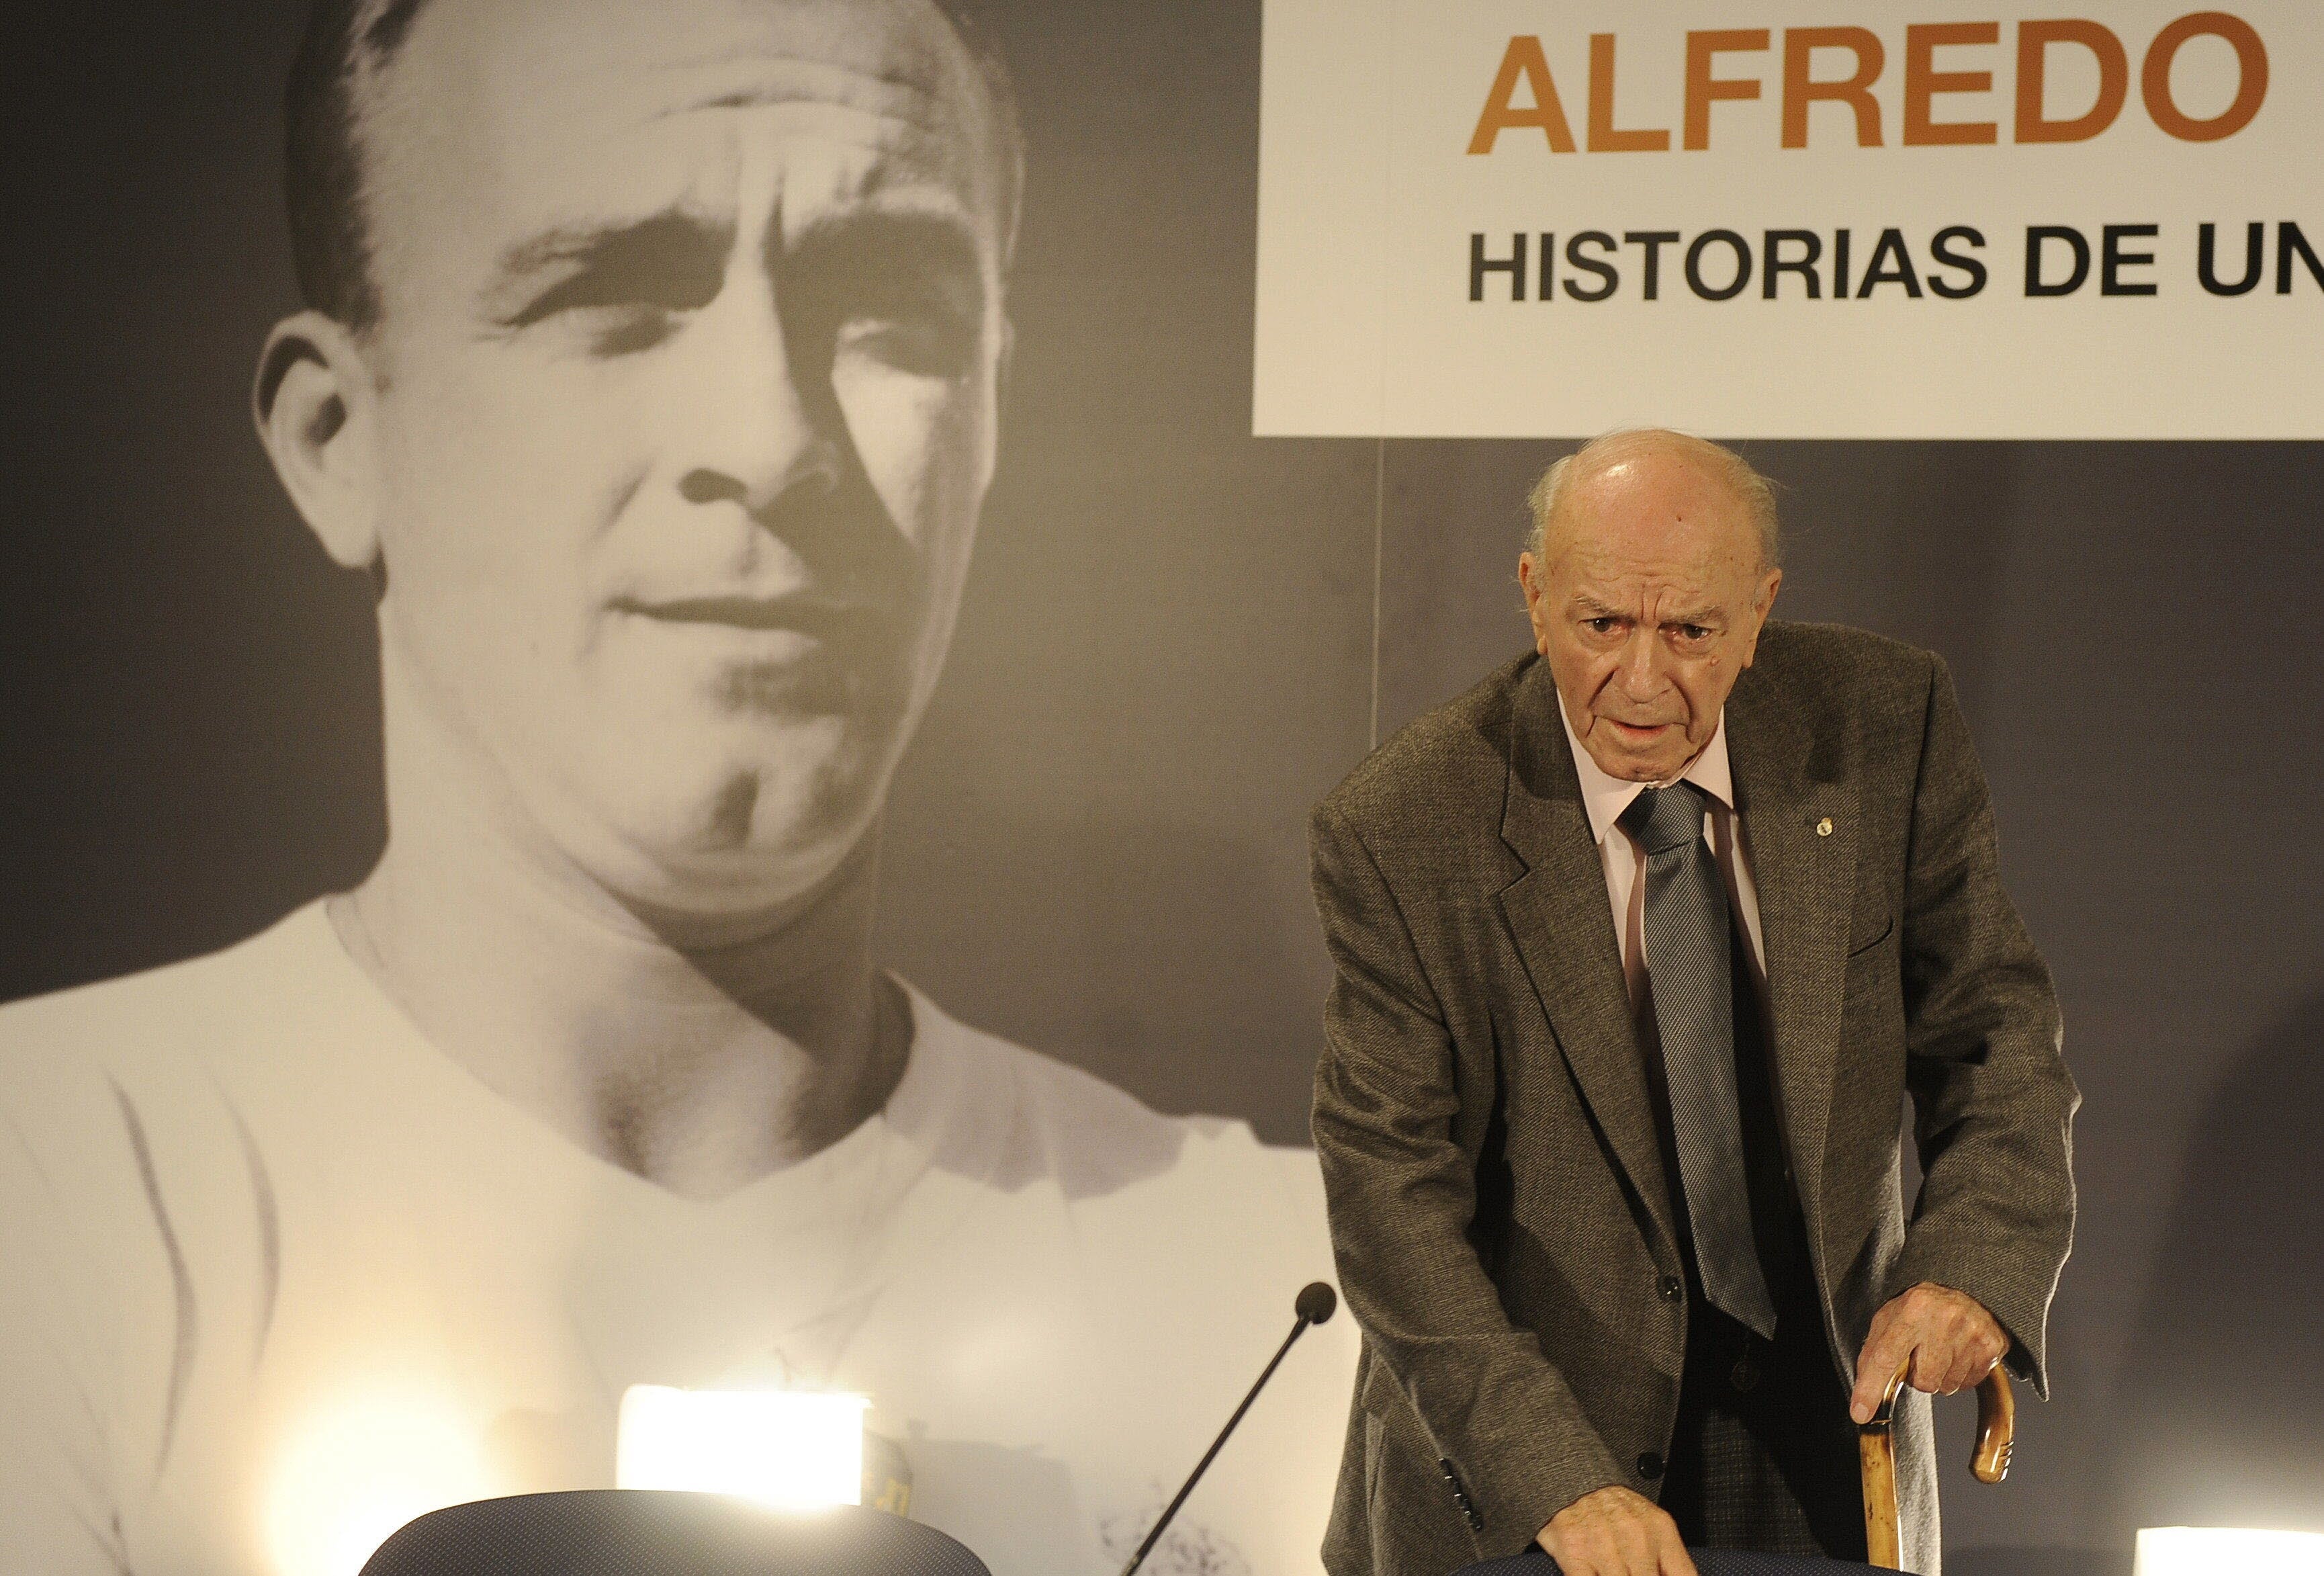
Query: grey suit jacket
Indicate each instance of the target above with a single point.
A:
(1502, 1211)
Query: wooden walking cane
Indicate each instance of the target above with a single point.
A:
(1997, 1432)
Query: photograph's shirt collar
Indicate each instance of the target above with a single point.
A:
(1606, 797)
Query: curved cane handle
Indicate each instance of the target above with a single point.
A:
(1997, 1419)
(1996, 1426)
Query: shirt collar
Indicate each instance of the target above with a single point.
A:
(1606, 797)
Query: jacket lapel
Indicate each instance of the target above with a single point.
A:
(1805, 878)
(1558, 915)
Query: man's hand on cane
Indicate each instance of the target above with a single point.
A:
(1952, 1340)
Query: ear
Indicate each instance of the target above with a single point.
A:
(1761, 606)
(316, 406)
(1531, 578)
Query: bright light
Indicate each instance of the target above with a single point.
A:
(777, 1447)
(360, 1469)
(2220, 1551)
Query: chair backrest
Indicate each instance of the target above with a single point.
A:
(629, 1532)
(1707, 1562)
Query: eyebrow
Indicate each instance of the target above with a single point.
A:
(600, 241)
(1589, 606)
(931, 241)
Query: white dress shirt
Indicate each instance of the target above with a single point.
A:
(1625, 861)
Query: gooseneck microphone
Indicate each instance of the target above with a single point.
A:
(1315, 1303)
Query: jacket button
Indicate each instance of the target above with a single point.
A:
(1650, 1466)
(1671, 1288)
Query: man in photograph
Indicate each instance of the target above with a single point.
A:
(652, 366)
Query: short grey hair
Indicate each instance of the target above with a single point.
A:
(1755, 491)
(334, 80)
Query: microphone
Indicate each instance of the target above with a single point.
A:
(1315, 1303)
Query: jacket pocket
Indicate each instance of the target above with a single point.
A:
(1857, 941)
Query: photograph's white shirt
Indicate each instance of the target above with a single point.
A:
(276, 1275)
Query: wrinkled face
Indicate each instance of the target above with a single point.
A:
(1647, 610)
(691, 328)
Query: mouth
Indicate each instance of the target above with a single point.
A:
(787, 656)
(791, 615)
(1636, 733)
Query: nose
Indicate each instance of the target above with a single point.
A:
(1641, 675)
(753, 432)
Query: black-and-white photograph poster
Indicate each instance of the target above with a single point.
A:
(671, 664)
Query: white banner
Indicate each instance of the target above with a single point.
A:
(1810, 218)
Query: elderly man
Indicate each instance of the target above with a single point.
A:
(651, 368)
(1640, 945)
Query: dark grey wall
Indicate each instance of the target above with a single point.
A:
(1169, 650)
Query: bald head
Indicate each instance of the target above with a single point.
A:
(1549, 502)
(1650, 574)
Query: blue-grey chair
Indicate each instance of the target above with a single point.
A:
(631, 1532)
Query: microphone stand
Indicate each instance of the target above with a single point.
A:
(1146, 1548)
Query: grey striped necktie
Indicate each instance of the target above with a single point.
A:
(1691, 981)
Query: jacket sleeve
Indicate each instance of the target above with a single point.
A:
(1993, 1103)
(1401, 1191)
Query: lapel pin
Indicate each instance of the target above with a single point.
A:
(1823, 827)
